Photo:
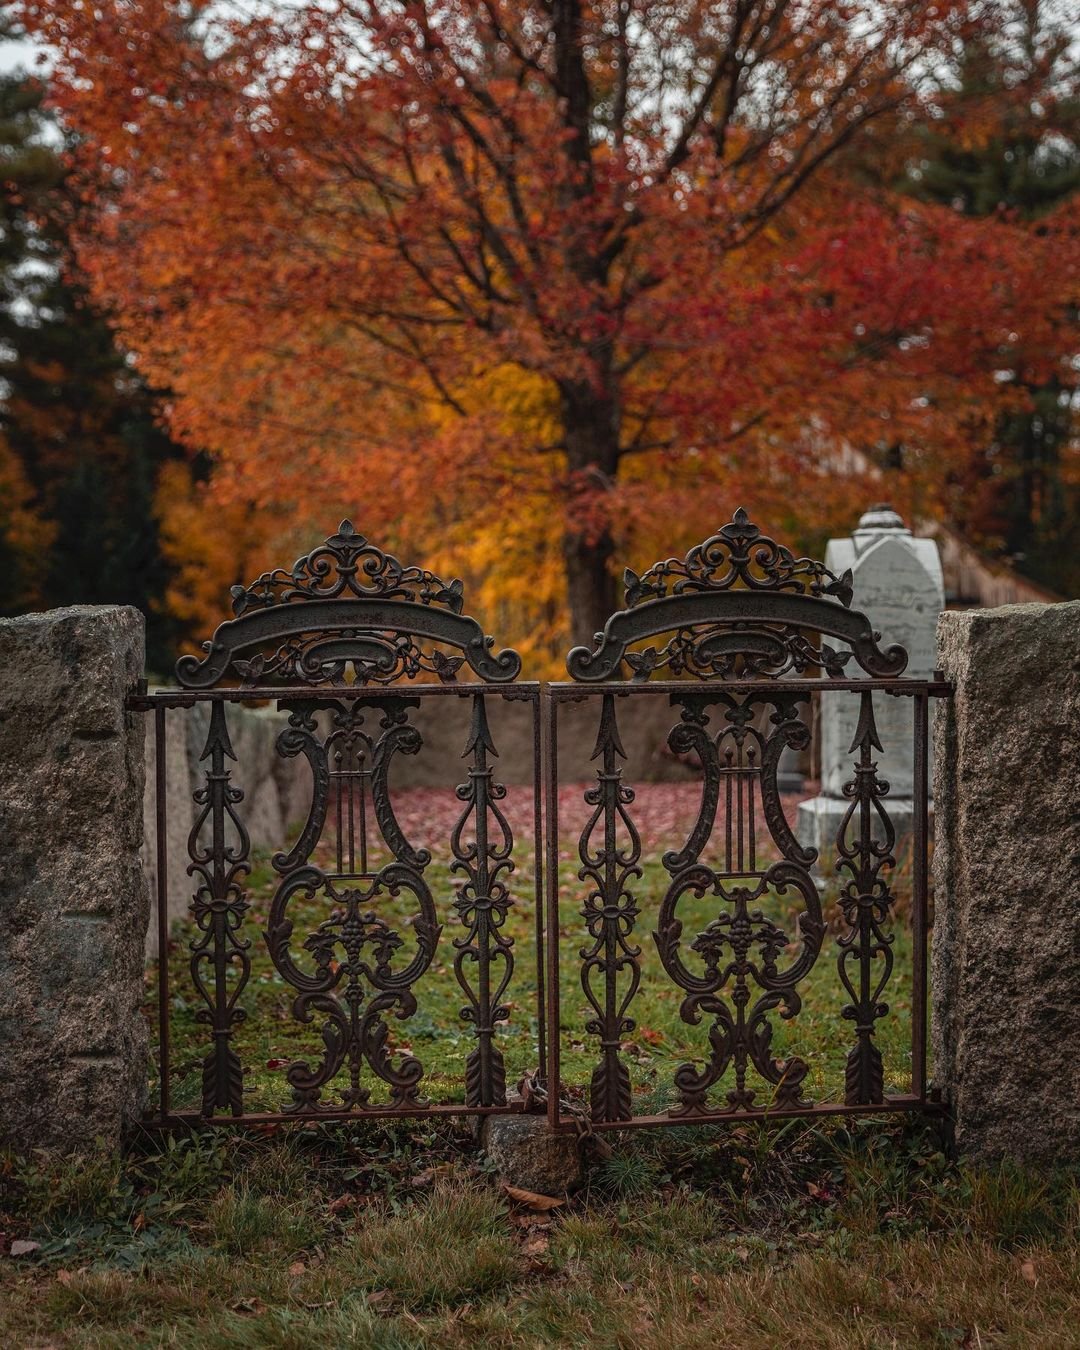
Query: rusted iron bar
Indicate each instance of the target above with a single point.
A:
(161, 825)
(889, 1106)
(563, 691)
(144, 700)
(538, 889)
(551, 789)
(372, 1114)
(919, 889)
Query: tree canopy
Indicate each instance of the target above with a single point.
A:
(531, 286)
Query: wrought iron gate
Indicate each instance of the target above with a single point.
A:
(350, 644)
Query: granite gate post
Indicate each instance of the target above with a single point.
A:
(73, 896)
(1005, 961)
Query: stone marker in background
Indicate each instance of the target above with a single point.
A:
(897, 582)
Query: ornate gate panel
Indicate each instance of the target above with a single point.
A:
(349, 644)
(368, 912)
(740, 637)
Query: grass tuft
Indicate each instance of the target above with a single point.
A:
(454, 1247)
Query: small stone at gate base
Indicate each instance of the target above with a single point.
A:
(529, 1154)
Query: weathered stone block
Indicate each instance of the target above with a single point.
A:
(529, 1154)
(1006, 947)
(73, 897)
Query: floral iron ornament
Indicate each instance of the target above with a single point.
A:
(346, 607)
(737, 605)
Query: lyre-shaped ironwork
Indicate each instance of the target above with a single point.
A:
(741, 948)
(738, 607)
(326, 637)
(218, 849)
(358, 969)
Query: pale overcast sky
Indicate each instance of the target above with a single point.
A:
(19, 53)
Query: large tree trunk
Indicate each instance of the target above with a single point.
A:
(591, 432)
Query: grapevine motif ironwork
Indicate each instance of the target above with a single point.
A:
(346, 609)
(218, 908)
(358, 972)
(610, 959)
(709, 608)
(482, 905)
(741, 947)
(865, 842)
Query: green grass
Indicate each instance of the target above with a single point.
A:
(361, 1235)
(270, 1038)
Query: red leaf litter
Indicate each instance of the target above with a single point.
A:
(662, 812)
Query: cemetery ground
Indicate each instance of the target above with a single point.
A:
(826, 1233)
(755, 1236)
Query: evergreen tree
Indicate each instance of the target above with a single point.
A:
(80, 447)
(1010, 142)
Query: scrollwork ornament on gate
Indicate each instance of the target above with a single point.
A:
(346, 609)
(484, 960)
(610, 960)
(354, 983)
(865, 842)
(220, 964)
(738, 605)
(741, 948)
(357, 971)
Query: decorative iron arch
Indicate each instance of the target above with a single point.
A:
(346, 605)
(737, 605)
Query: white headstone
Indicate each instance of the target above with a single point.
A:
(897, 583)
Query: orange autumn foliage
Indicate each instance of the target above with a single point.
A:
(530, 289)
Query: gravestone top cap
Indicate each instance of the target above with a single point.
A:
(881, 519)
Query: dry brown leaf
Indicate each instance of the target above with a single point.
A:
(431, 1174)
(532, 1199)
(536, 1245)
(252, 1306)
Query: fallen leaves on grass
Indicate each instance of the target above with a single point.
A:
(532, 1199)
